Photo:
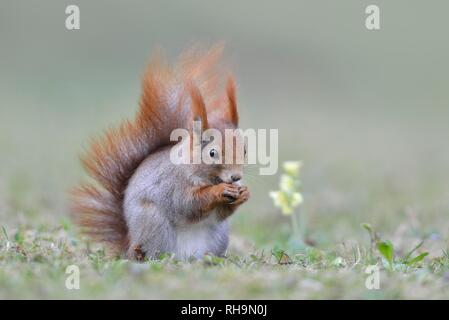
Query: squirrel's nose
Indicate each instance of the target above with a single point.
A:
(236, 177)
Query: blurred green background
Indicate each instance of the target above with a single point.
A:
(366, 111)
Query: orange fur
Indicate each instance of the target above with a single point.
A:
(198, 105)
(230, 90)
(112, 159)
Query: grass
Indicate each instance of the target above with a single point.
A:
(358, 214)
(365, 114)
(34, 261)
(400, 193)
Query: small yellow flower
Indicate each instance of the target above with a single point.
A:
(292, 167)
(287, 183)
(281, 201)
(275, 196)
(287, 210)
(297, 199)
(288, 197)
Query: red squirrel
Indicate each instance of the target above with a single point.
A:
(140, 203)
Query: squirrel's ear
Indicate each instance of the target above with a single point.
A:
(198, 106)
(232, 101)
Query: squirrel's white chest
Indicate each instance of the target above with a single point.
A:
(194, 240)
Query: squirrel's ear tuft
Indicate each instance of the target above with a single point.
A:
(232, 101)
(198, 106)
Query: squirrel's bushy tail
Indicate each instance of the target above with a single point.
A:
(112, 159)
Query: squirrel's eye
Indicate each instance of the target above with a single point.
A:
(213, 153)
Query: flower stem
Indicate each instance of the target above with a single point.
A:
(298, 228)
(295, 225)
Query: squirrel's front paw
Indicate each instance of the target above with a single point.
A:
(243, 196)
(230, 192)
